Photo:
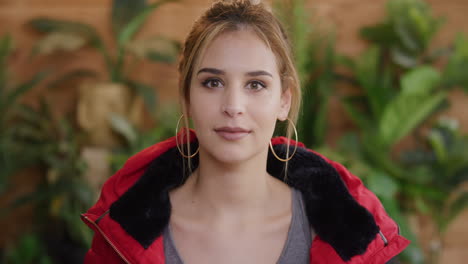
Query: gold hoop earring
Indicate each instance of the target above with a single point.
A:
(177, 141)
(295, 146)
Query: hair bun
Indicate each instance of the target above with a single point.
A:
(253, 2)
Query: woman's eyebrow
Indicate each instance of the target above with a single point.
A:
(258, 73)
(221, 72)
(211, 70)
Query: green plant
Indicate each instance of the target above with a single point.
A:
(128, 17)
(391, 108)
(454, 73)
(383, 110)
(400, 90)
(136, 139)
(315, 60)
(12, 155)
(28, 250)
(376, 168)
(404, 40)
(63, 194)
(406, 32)
(441, 167)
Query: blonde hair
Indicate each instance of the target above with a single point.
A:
(228, 16)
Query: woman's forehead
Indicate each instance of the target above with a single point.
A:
(238, 51)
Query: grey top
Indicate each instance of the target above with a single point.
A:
(296, 250)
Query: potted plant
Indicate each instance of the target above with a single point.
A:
(118, 93)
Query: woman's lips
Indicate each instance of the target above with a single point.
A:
(232, 134)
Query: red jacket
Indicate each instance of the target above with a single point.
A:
(133, 209)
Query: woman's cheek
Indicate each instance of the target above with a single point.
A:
(264, 110)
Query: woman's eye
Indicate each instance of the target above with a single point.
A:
(212, 83)
(256, 85)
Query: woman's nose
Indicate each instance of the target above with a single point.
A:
(233, 102)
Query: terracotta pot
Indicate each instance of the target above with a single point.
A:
(96, 103)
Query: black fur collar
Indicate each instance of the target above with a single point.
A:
(144, 210)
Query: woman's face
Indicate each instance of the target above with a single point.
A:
(236, 97)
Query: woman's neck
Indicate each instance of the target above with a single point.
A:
(235, 192)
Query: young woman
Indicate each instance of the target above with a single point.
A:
(226, 192)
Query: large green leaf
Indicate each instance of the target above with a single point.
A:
(405, 113)
(421, 80)
(412, 106)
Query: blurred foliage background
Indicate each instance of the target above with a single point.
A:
(393, 92)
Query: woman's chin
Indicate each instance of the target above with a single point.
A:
(229, 155)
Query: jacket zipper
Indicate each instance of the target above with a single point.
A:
(108, 240)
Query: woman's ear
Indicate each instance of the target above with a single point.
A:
(285, 104)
